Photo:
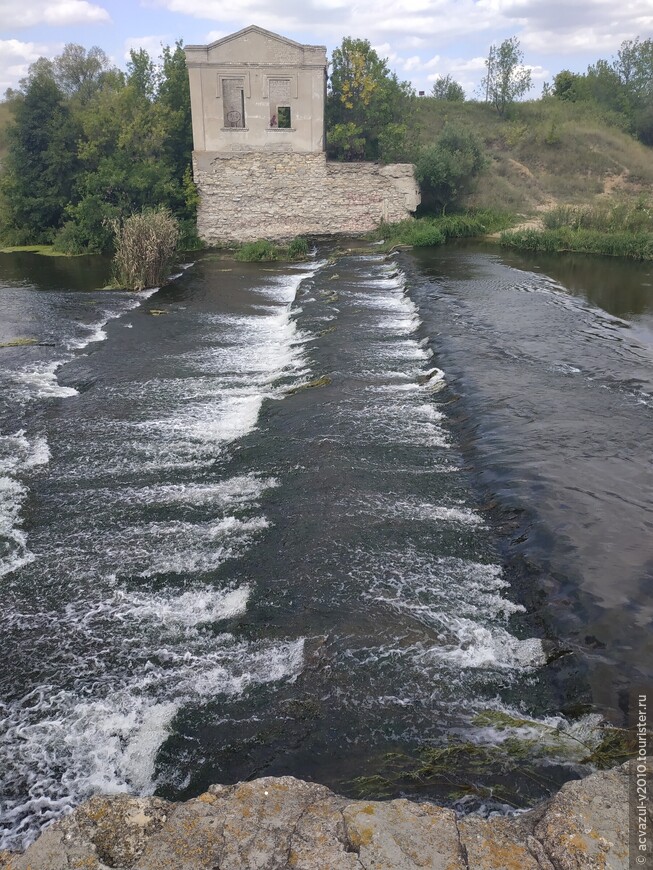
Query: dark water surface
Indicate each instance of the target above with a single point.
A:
(212, 569)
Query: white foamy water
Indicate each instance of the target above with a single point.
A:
(39, 382)
(242, 490)
(414, 509)
(18, 457)
(463, 602)
(144, 632)
(122, 302)
(107, 739)
(243, 360)
(151, 549)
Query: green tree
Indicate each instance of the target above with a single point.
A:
(40, 167)
(79, 72)
(634, 66)
(447, 169)
(568, 86)
(91, 145)
(173, 101)
(445, 88)
(506, 78)
(364, 100)
(142, 74)
(604, 87)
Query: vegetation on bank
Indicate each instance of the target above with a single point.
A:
(84, 145)
(265, 251)
(43, 250)
(616, 230)
(90, 145)
(634, 246)
(433, 230)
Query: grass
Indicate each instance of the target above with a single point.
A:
(548, 152)
(608, 217)
(264, 251)
(430, 231)
(614, 229)
(633, 246)
(44, 250)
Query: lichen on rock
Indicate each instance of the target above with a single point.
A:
(278, 823)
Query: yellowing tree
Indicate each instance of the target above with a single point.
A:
(368, 108)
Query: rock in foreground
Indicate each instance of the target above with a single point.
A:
(274, 823)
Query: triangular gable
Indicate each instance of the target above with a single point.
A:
(253, 28)
(255, 45)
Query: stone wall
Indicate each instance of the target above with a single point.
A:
(252, 195)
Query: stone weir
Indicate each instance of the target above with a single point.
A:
(246, 196)
(274, 823)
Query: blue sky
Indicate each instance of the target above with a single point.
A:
(422, 39)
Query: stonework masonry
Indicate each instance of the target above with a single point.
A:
(252, 195)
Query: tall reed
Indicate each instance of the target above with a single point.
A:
(145, 245)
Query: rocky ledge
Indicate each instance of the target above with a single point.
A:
(276, 823)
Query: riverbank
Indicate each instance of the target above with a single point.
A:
(283, 822)
(614, 229)
(43, 250)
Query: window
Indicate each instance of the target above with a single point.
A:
(280, 103)
(233, 99)
(283, 117)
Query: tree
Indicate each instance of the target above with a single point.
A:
(445, 88)
(91, 145)
(634, 66)
(79, 72)
(603, 85)
(40, 167)
(506, 78)
(447, 169)
(173, 100)
(568, 86)
(364, 99)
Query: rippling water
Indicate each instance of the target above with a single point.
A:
(211, 569)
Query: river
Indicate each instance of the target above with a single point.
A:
(380, 522)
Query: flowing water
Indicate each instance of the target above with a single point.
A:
(381, 522)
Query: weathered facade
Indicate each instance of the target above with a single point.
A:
(256, 91)
(260, 164)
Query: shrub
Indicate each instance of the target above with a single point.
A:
(253, 252)
(396, 144)
(265, 251)
(346, 142)
(446, 170)
(145, 246)
(298, 248)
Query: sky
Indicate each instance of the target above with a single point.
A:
(422, 39)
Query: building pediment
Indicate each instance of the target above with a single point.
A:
(256, 46)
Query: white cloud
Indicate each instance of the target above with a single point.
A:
(214, 36)
(410, 25)
(433, 62)
(151, 44)
(50, 12)
(15, 58)
(538, 73)
(411, 63)
(473, 64)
